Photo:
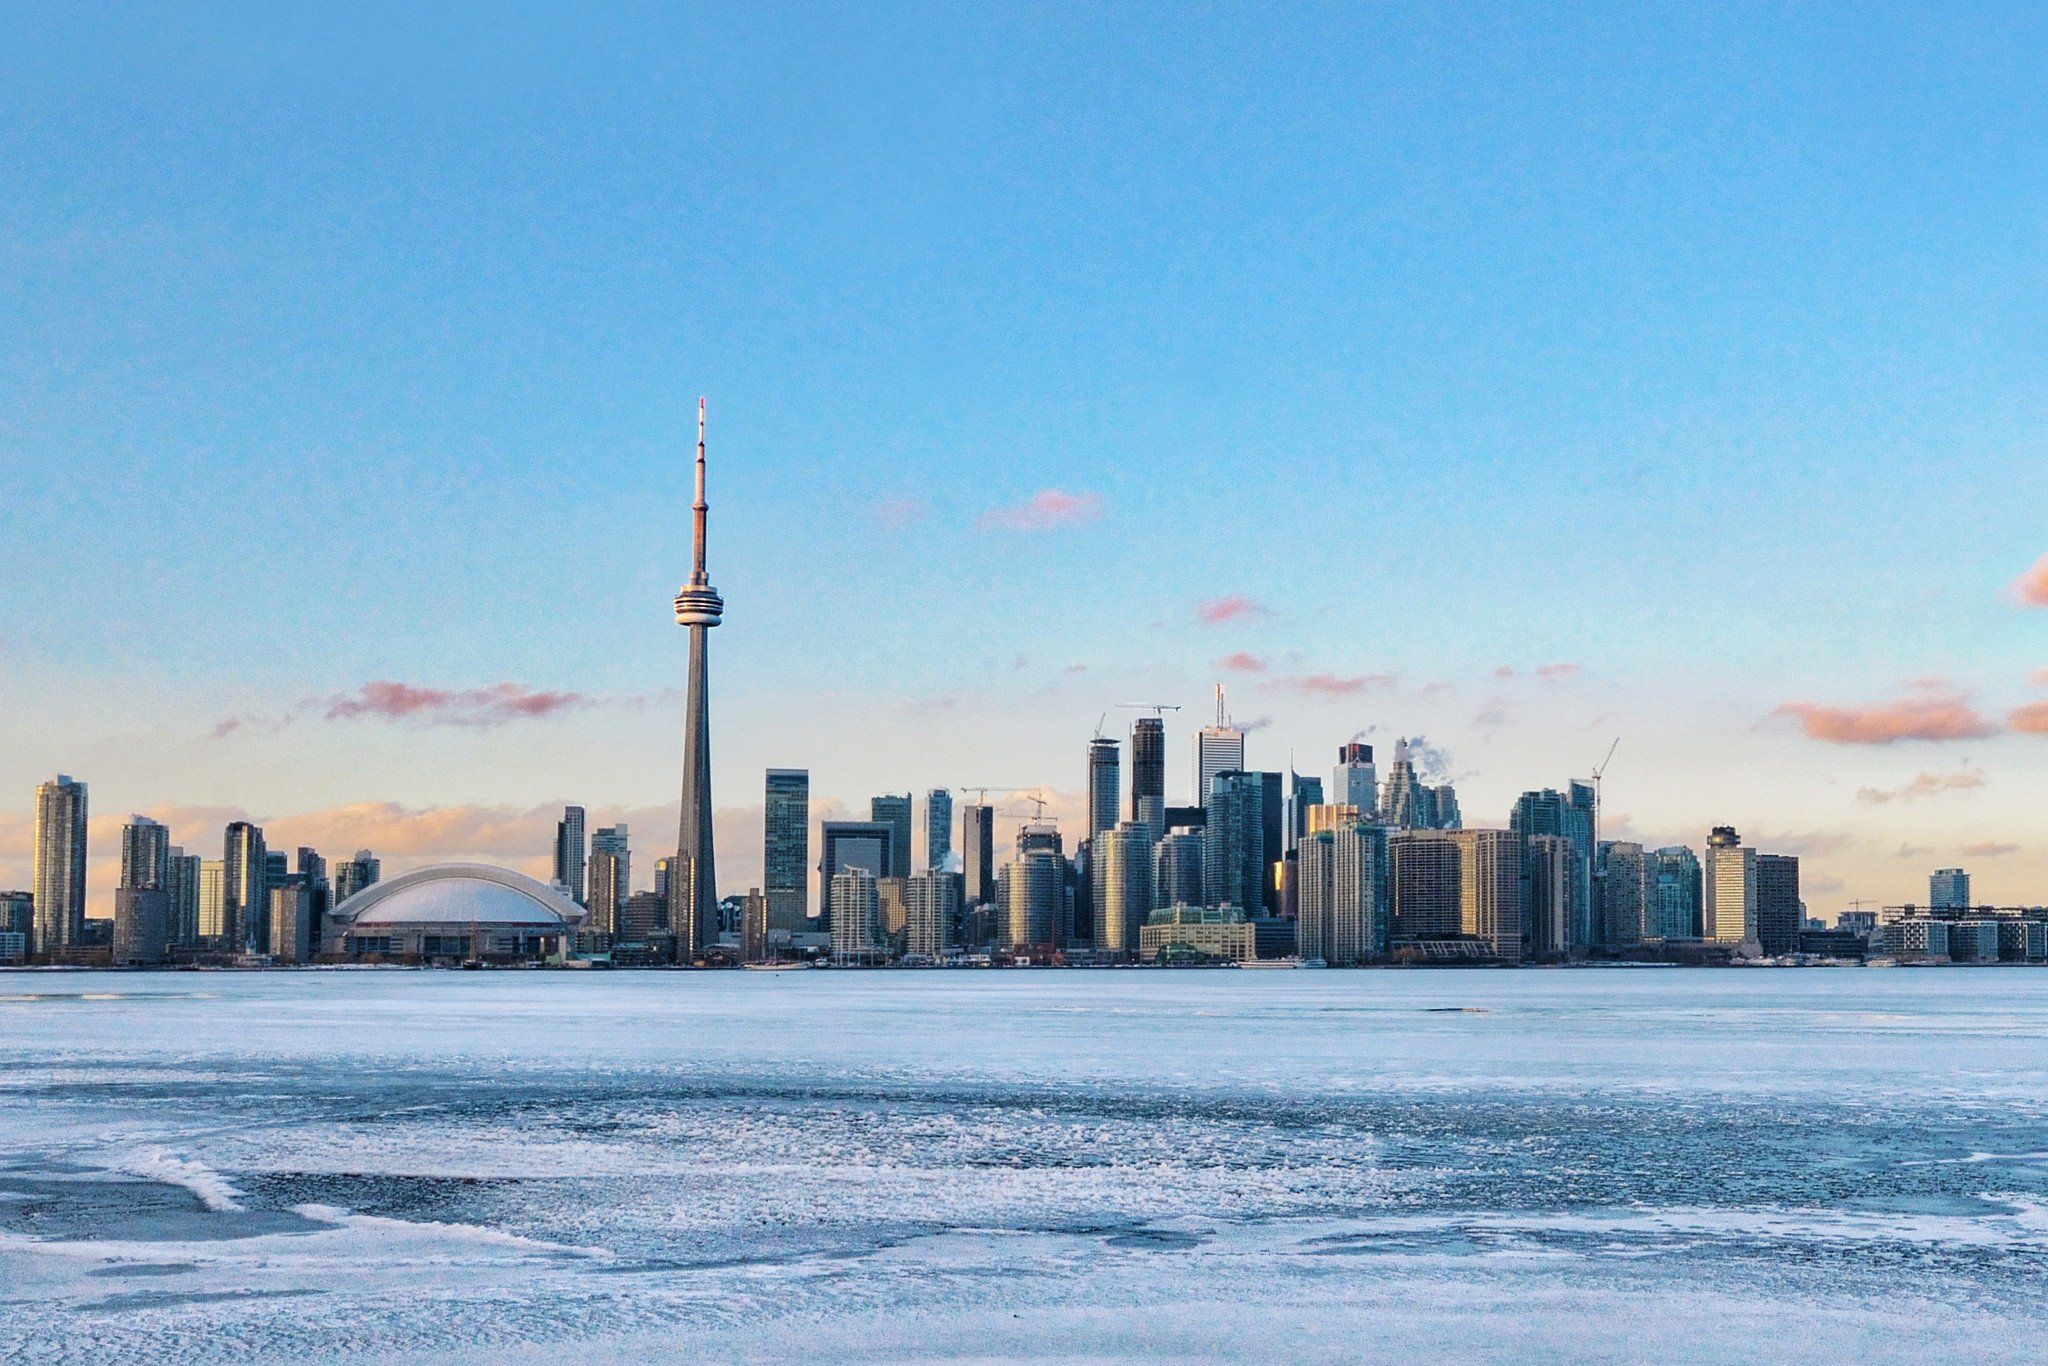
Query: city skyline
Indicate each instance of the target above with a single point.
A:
(1508, 419)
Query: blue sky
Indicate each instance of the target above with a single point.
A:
(1700, 350)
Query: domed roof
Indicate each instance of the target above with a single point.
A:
(461, 894)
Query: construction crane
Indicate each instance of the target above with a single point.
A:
(1157, 708)
(1599, 772)
(981, 792)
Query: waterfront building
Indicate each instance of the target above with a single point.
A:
(1779, 911)
(938, 828)
(145, 853)
(856, 916)
(1948, 890)
(1177, 869)
(290, 914)
(216, 920)
(1241, 839)
(609, 873)
(978, 853)
(1626, 889)
(248, 888)
(59, 865)
(1105, 785)
(1338, 881)
(142, 916)
(931, 904)
(1356, 782)
(754, 927)
(1679, 880)
(182, 914)
(852, 844)
(895, 813)
(456, 912)
(1553, 892)
(786, 848)
(1728, 890)
(1423, 879)
(1196, 934)
(1035, 897)
(1568, 815)
(1126, 879)
(572, 854)
(694, 891)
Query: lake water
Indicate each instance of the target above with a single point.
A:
(1700, 1165)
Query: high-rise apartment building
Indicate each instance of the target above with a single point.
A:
(59, 864)
(291, 924)
(1728, 890)
(183, 913)
(608, 875)
(355, 874)
(856, 915)
(1035, 900)
(1337, 893)
(1356, 782)
(1779, 913)
(1177, 869)
(572, 854)
(216, 920)
(141, 925)
(1148, 764)
(1241, 841)
(1493, 889)
(1625, 889)
(1949, 890)
(1105, 783)
(938, 828)
(894, 812)
(978, 853)
(1124, 871)
(931, 901)
(1568, 815)
(248, 887)
(786, 848)
(1553, 895)
(1678, 881)
(145, 853)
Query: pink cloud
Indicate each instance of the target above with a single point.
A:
(2039, 678)
(1552, 672)
(1504, 671)
(1045, 510)
(2031, 588)
(1924, 785)
(488, 706)
(1938, 715)
(1224, 610)
(1989, 849)
(1332, 685)
(894, 514)
(2032, 719)
(1242, 663)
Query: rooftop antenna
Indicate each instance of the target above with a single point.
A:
(699, 508)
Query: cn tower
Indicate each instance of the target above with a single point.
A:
(693, 882)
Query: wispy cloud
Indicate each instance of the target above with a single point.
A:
(1550, 673)
(895, 514)
(2031, 719)
(389, 700)
(1045, 510)
(1924, 785)
(1937, 714)
(1241, 663)
(1234, 607)
(1336, 685)
(2031, 588)
(1989, 849)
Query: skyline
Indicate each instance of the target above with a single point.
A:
(349, 390)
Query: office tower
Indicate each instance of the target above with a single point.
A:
(59, 864)
(1678, 884)
(852, 844)
(893, 812)
(938, 828)
(216, 920)
(145, 853)
(1626, 887)
(643, 915)
(1125, 875)
(1303, 793)
(248, 888)
(1356, 782)
(1105, 783)
(1177, 869)
(1089, 892)
(1554, 885)
(355, 874)
(786, 848)
(608, 877)
(1035, 898)
(1337, 893)
(978, 853)
(1241, 840)
(856, 915)
(1148, 763)
(1331, 816)
(182, 924)
(1949, 890)
(1443, 805)
(1779, 917)
(694, 893)
(312, 869)
(662, 868)
(1406, 804)
(572, 854)
(931, 905)
(1218, 749)
(290, 916)
(1728, 890)
(1425, 886)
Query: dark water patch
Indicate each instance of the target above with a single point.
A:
(124, 1269)
(111, 1210)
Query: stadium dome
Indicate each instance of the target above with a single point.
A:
(457, 910)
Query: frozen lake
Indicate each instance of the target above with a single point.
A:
(1443, 1164)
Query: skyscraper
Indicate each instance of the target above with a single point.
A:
(1218, 749)
(609, 874)
(1125, 871)
(1554, 886)
(1678, 883)
(60, 864)
(1493, 879)
(1779, 916)
(141, 925)
(216, 922)
(1337, 893)
(1177, 869)
(1303, 793)
(1104, 781)
(1242, 840)
(852, 844)
(145, 853)
(894, 812)
(932, 903)
(355, 874)
(938, 828)
(247, 910)
(183, 925)
(1035, 891)
(1568, 815)
(571, 853)
(1443, 804)
(978, 853)
(694, 891)
(1425, 883)
(1406, 804)
(786, 851)
(1949, 890)
(856, 915)
(1148, 763)
(1356, 782)
(1626, 888)
(1728, 890)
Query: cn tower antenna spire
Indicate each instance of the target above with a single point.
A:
(699, 508)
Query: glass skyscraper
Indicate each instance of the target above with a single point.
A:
(786, 867)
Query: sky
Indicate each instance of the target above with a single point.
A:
(1521, 379)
